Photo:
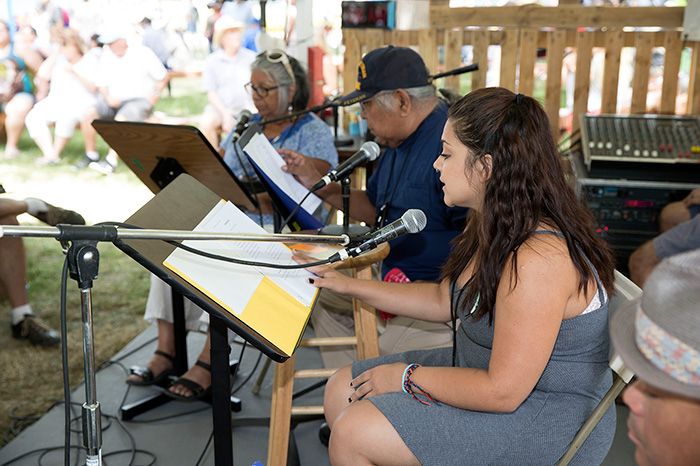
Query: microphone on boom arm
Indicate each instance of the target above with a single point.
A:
(243, 119)
(412, 221)
(369, 151)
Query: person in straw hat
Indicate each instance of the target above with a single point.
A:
(226, 71)
(658, 337)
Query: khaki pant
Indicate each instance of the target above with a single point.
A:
(332, 317)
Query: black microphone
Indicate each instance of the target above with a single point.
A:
(243, 118)
(412, 221)
(367, 153)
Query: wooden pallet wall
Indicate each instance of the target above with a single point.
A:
(521, 30)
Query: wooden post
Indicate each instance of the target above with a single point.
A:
(611, 70)
(552, 96)
(640, 80)
(672, 63)
(694, 85)
(582, 80)
(528, 55)
(509, 58)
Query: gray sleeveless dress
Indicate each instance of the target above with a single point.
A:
(539, 431)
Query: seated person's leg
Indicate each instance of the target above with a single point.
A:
(673, 214)
(684, 237)
(362, 433)
(15, 112)
(63, 132)
(196, 382)
(405, 334)
(40, 210)
(100, 110)
(333, 317)
(159, 310)
(210, 124)
(13, 278)
(37, 123)
(642, 262)
(131, 110)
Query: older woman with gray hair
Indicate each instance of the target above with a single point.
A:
(279, 87)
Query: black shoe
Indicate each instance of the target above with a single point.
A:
(37, 332)
(103, 167)
(324, 433)
(54, 215)
(84, 162)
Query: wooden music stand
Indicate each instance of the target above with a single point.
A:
(181, 206)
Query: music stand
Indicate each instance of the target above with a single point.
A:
(182, 205)
(157, 154)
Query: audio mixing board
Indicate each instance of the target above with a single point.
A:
(641, 138)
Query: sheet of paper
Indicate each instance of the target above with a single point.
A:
(233, 285)
(267, 158)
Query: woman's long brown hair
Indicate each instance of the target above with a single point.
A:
(526, 188)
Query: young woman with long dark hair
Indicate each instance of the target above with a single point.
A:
(527, 281)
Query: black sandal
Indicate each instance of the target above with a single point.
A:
(146, 374)
(199, 392)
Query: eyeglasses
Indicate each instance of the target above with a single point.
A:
(278, 56)
(366, 104)
(261, 91)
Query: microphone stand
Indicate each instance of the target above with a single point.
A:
(346, 228)
(83, 264)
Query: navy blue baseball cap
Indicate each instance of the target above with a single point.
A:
(386, 69)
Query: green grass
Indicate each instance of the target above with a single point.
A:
(31, 376)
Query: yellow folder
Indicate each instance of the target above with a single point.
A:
(275, 303)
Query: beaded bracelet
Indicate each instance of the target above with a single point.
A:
(408, 385)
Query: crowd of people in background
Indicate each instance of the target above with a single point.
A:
(60, 68)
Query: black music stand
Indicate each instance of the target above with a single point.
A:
(158, 154)
(182, 205)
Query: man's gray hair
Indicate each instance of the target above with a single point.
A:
(418, 95)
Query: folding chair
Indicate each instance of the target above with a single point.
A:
(625, 291)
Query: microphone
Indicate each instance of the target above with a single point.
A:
(367, 153)
(243, 118)
(412, 221)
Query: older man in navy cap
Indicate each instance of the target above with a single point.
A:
(398, 100)
(658, 337)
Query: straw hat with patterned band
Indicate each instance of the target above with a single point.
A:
(223, 24)
(658, 336)
(386, 69)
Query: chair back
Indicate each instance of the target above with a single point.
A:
(625, 291)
